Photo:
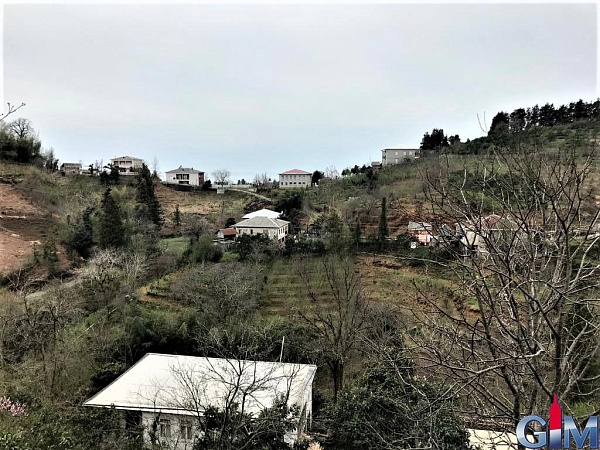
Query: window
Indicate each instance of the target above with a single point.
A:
(164, 427)
(186, 430)
(251, 231)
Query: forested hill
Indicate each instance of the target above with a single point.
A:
(532, 125)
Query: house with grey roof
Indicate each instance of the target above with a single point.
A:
(276, 229)
(185, 175)
(164, 397)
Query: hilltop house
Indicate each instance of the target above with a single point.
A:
(273, 228)
(185, 175)
(295, 178)
(164, 397)
(398, 155)
(128, 165)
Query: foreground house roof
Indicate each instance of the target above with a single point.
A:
(262, 213)
(295, 172)
(179, 384)
(261, 222)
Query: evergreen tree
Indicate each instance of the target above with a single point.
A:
(177, 216)
(383, 225)
(82, 237)
(356, 234)
(499, 124)
(146, 196)
(111, 227)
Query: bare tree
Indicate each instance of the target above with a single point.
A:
(525, 324)
(234, 403)
(260, 180)
(221, 176)
(21, 128)
(337, 310)
(11, 110)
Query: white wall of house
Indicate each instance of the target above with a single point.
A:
(127, 165)
(294, 181)
(272, 233)
(192, 179)
(175, 432)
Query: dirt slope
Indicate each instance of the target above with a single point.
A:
(22, 226)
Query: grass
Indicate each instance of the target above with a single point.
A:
(176, 245)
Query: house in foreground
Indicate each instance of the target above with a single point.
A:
(165, 396)
(128, 165)
(185, 175)
(276, 229)
(294, 179)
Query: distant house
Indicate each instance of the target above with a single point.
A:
(294, 179)
(262, 213)
(227, 233)
(376, 165)
(475, 234)
(273, 228)
(70, 168)
(163, 397)
(185, 175)
(398, 155)
(421, 231)
(128, 165)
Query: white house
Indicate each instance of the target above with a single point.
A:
(398, 155)
(273, 228)
(128, 165)
(165, 395)
(263, 213)
(185, 175)
(295, 178)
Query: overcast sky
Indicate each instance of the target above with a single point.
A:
(272, 87)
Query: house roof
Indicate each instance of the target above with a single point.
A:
(126, 157)
(263, 213)
(173, 383)
(295, 172)
(419, 226)
(261, 222)
(228, 231)
(184, 170)
(392, 149)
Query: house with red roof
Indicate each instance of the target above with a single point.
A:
(295, 179)
(227, 233)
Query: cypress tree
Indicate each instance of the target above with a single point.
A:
(145, 196)
(111, 227)
(383, 226)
